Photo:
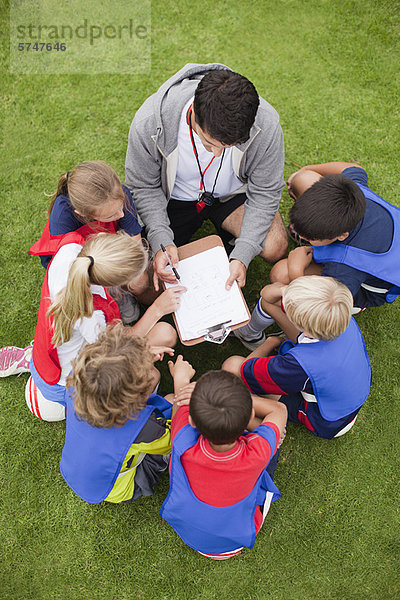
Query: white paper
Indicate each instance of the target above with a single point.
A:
(206, 302)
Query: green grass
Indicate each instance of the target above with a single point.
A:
(330, 68)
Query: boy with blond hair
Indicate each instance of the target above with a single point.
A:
(323, 374)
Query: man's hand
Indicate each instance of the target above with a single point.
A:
(161, 262)
(298, 261)
(237, 273)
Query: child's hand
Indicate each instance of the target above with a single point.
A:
(182, 398)
(182, 369)
(298, 260)
(272, 292)
(275, 341)
(169, 300)
(281, 439)
(159, 351)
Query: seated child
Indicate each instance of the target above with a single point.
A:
(117, 439)
(91, 199)
(76, 306)
(221, 477)
(323, 377)
(354, 234)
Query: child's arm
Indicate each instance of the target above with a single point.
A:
(298, 261)
(270, 302)
(269, 411)
(329, 168)
(301, 180)
(182, 372)
(166, 303)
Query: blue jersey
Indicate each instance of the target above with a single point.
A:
(211, 529)
(374, 233)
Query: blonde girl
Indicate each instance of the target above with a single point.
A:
(76, 306)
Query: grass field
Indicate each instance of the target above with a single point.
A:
(331, 69)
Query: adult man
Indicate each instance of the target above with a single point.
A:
(205, 146)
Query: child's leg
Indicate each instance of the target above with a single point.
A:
(260, 320)
(280, 271)
(261, 317)
(233, 364)
(14, 360)
(162, 334)
(42, 408)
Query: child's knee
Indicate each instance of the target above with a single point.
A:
(302, 181)
(233, 364)
(163, 334)
(279, 272)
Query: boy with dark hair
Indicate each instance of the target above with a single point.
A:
(354, 234)
(206, 146)
(221, 477)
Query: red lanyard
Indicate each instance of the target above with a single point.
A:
(202, 173)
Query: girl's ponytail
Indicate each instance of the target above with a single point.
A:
(108, 260)
(73, 302)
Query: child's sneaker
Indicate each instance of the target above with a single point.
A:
(249, 344)
(14, 361)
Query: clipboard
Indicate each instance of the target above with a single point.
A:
(218, 332)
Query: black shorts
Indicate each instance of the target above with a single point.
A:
(185, 220)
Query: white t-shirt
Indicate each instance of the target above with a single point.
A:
(87, 329)
(188, 180)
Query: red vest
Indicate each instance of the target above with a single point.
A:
(44, 354)
(48, 244)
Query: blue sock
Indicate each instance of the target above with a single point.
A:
(259, 321)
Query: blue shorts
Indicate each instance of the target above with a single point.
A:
(307, 413)
(54, 393)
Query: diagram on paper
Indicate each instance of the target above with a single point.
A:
(206, 302)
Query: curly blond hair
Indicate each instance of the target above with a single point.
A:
(112, 378)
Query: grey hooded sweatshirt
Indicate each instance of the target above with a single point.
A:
(152, 157)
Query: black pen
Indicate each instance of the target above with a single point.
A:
(170, 263)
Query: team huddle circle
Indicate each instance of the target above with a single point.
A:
(119, 257)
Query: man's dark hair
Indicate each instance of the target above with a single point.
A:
(330, 207)
(220, 406)
(225, 106)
